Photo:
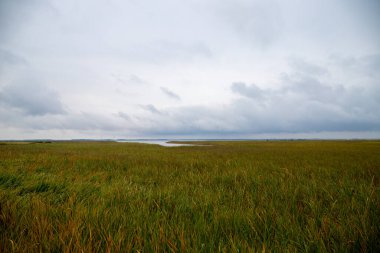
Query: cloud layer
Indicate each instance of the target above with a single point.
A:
(199, 69)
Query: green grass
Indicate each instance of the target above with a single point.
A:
(306, 196)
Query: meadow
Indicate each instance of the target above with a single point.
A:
(242, 196)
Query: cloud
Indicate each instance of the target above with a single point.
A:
(303, 102)
(124, 116)
(150, 108)
(10, 63)
(234, 67)
(131, 80)
(163, 51)
(251, 91)
(31, 97)
(136, 79)
(311, 88)
(305, 67)
(9, 58)
(85, 121)
(363, 66)
(259, 22)
(169, 93)
(14, 14)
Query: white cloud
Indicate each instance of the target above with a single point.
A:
(170, 93)
(31, 97)
(194, 68)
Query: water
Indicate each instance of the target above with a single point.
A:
(159, 142)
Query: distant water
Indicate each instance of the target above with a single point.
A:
(158, 142)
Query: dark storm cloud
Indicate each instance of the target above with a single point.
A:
(170, 93)
(31, 97)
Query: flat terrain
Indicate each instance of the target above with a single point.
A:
(304, 196)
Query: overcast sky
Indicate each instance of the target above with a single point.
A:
(189, 69)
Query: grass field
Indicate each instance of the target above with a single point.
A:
(304, 196)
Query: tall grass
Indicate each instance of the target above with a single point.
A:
(308, 196)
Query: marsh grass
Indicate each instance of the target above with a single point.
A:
(306, 196)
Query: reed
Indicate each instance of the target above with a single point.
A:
(252, 196)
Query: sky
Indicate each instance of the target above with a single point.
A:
(189, 69)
